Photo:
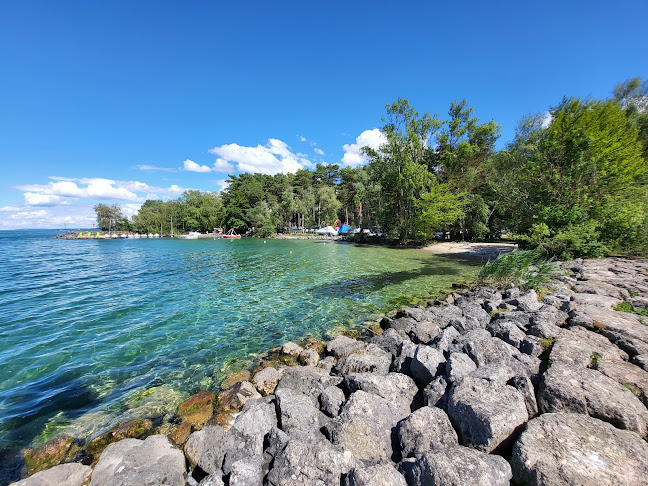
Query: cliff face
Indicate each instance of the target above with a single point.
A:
(484, 388)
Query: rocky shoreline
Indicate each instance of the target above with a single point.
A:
(486, 387)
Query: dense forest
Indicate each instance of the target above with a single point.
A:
(572, 183)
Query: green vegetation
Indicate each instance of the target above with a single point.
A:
(627, 385)
(521, 268)
(627, 307)
(547, 345)
(573, 182)
(594, 360)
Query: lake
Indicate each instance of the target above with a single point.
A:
(87, 325)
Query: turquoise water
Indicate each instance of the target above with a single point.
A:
(86, 325)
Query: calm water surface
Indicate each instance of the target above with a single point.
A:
(86, 326)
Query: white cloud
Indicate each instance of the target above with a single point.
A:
(223, 166)
(37, 199)
(318, 151)
(272, 158)
(191, 166)
(130, 209)
(546, 120)
(8, 209)
(154, 168)
(369, 138)
(302, 139)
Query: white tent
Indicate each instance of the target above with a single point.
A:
(328, 230)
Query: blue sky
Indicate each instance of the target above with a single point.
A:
(123, 100)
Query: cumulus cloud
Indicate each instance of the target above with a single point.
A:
(369, 138)
(223, 166)
(318, 151)
(272, 158)
(302, 139)
(191, 166)
(36, 199)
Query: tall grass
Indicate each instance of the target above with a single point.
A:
(526, 269)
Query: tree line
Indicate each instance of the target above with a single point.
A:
(572, 183)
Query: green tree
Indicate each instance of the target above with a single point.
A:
(110, 217)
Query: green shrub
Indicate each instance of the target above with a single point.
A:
(521, 268)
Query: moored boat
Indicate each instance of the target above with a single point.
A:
(231, 235)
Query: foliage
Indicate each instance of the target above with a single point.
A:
(627, 307)
(111, 217)
(521, 268)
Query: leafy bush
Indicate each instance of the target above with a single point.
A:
(521, 268)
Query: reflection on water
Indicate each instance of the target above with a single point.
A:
(87, 325)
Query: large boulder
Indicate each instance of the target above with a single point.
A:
(424, 332)
(246, 472)
(343, 346)
(364, 427)
(527, 302)
(370, 360)
(396, 388)
(200, 441)
(390, 340)
(565, 448)
(309, 462)
(378, 475)
(458, 366)
(297, 413)
(244, 440)
(426, 363)
(459, 466)
(486, 414)
(72, 474)
(266, 380)
(507, 331)
(146, 462)
(567, 388)
(426, 430)
(579, 347)
(302, 379)
(234, 398)
(331, 400)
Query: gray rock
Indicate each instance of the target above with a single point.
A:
(72, 474)
(577, 347)
(527, 302)
(548, 315)
(292, 349)
(277, 440)
(632, 377)
(266, 380)
(302, 379)
(397, 388)
(343, 346)
(428, 429)
(460, 466)
(424, 332)
(331, 400)
(576, 449)
(544, 330)
(486, 414)
(378, 475)
(419, 314)
(403, 360)
(390, 341)
(144, 462)
(257, 417)
(596, 300)
(569, 389)
(371, 360)
(310, 463)
(523, 384)
(297, 412)
(246, 472)
(234, 446)
(436, 393)
(458, 366)
(403, 324)
(327, 364)
(308, 357)
(427, 363)
(532, 345)
(495, 373)
(200, 441)
(476, 312)
(443, 341)
(507, 331)
(511, 293)
(237, 395)
(212, 480)
(364, 427)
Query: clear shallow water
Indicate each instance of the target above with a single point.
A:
(85, 325)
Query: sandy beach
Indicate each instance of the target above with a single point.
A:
(473, 251)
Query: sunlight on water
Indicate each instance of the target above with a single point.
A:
(87, 325)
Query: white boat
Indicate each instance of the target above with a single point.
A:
(114, 235)
(136, 235)
(150, 235)
(192, 235)
(156, 235)
(123, 235)
(328, 230)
